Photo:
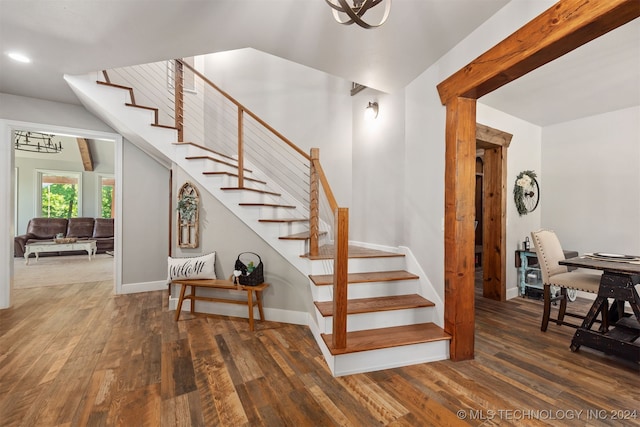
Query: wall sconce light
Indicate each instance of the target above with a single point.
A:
(371, 112)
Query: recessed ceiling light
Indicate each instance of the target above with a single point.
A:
(19, 57)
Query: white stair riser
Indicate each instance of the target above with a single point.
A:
(378, 319)
(368, 290)
(362, 265)
(388, 358)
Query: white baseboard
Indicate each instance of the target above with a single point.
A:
(512, 293)
(133, 288)
(238, 310)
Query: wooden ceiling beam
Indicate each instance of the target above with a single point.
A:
(85, 153)
(562, 28)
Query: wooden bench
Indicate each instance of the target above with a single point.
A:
(220, 284)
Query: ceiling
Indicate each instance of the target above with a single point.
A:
(79, 36)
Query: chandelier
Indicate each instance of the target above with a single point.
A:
(36, 142)
(355, 13)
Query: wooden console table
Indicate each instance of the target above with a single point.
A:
(250, 302)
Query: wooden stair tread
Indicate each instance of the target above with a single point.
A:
(327, 252)
(235, 175)
(267, 205)
(283, 220)
(255, 190)
(305, 235)
(375, 339)
(377, 304)
(204, 148)
(374, 276)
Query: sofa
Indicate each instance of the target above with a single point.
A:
(42, 229)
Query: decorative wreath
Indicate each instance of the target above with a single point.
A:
(524, 181)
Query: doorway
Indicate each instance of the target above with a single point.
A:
(67, 183)
(491, 209)
(8, 192)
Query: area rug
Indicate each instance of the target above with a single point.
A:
(61, 270)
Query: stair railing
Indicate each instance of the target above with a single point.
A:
(201, 111)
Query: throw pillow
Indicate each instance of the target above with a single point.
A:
(200, 267)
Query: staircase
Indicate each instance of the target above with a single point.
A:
(390, 322)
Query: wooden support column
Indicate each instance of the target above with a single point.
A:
(459, 220)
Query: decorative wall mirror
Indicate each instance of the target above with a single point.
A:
(188, 216)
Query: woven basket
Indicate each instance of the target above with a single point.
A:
(256, 276)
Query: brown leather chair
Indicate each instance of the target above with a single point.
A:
(549, 253)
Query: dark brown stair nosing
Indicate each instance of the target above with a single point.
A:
(395, 336)
(144, 107)
(305, 235)
(255, 190)
(327, 252)
(376, 304)
(114, 85)
(283, 220)
(267, 205)
(372, 276)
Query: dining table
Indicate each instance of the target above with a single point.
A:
(618, 335)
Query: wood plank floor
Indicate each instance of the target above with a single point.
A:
(76, 355)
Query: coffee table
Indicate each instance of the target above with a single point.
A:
(51, 246)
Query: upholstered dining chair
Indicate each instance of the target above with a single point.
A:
(549, 253)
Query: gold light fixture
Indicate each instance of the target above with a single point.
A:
(36, 142)
(356, 12)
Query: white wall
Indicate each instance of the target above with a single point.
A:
(309, 107)
(145, 220)
(591, 182)
(378, 153)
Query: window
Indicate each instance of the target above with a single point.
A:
(59, 194)
(107, 186)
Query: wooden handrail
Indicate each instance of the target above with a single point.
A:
(325, 186)
(246, 110)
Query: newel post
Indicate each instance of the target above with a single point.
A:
(314, 203)
(340, 271)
